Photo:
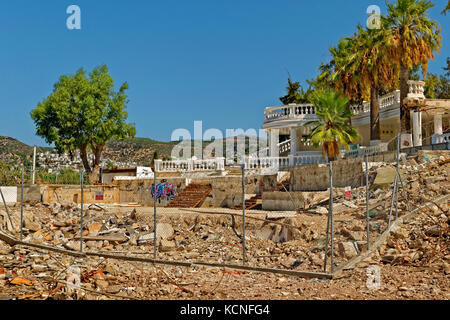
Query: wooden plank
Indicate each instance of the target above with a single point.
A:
(117, 238)
(8, 239)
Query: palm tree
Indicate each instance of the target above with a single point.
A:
(371, 67)
(446, 8)
(360, 66)
(414, 39)
(332, 128)
(340, 71)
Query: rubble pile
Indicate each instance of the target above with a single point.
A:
(280, 240)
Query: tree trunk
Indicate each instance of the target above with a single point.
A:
(84, 159)
(405, 119)
(374, 114)
(94, 175)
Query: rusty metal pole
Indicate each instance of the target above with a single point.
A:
(21, 205)
(331, 217)
(82, 204)
(367, 202)
(154, 213)
(243, 213)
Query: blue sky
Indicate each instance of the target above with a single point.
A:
(221, 62)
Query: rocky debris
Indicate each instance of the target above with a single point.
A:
(347, 249)
(295, 242)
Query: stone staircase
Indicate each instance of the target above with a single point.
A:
(191, 197)
(253, 202)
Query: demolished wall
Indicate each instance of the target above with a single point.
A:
(315, 177)
(292, 201)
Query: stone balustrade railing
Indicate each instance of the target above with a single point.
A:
(386, 101)
(367, 151)
(416, 89)
(266, 162)
(440, 138)
(290, 111)
(217, 164)
(284, 146)
(307, 159)
(307, 111)
(390, 99)
(282, 162)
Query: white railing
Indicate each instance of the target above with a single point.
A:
(266, 162)
(190, 165)
(284, 146)
(416, 89)
(290, 111)
(282, 162)
(367, 151)
(385, 101)
(307, 111)
(307, 159)
(441, 138)
(390, 99)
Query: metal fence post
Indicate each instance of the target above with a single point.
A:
(394, 192)
(398, 175)
(326, 245)
(367, 202)
(243, 213)
(154, 213)
(81, 219)
(21, 205)
(331, 217)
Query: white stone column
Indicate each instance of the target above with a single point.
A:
(158, 165)
(274, 140)
(293, 141)
(438, 124)
(417, 128)
(293, 136)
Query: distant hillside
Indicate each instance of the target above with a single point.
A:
(136, 150)
(13, 151)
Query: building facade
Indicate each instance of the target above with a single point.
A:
(287, 126)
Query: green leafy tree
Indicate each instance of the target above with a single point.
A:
(447, 68)
(438, 87)
(295, 93)
(110, 165)
(415, 38)
(331, 129)
(446, 8)
(9, 175)
(83, 113)
(155, 157)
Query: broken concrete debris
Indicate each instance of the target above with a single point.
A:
(283, 240)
